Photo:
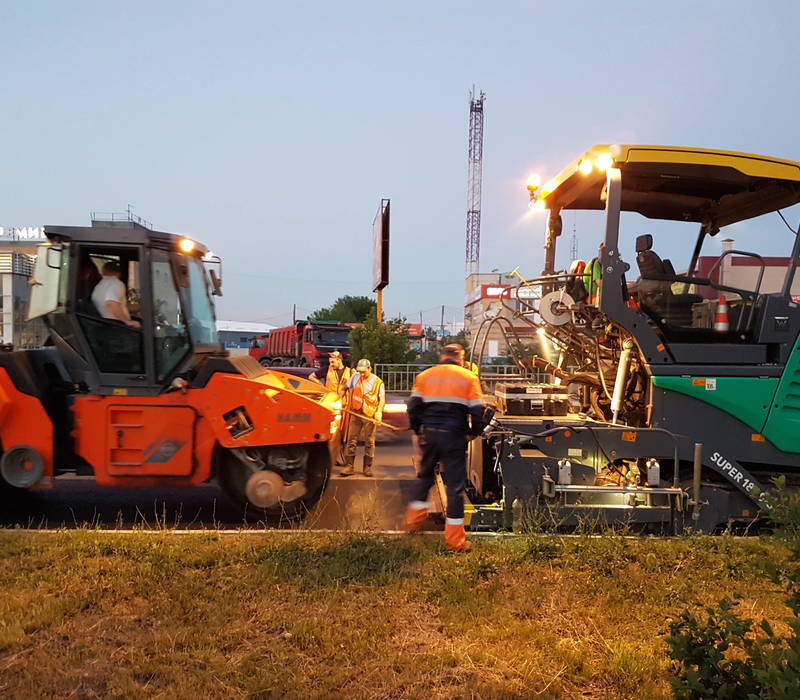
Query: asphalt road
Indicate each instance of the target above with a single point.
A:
(354, 502)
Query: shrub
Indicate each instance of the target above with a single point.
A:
(724, 655)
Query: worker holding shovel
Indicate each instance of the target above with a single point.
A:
(366, 399)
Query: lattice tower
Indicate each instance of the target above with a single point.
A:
(474, 180)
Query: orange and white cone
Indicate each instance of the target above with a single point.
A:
(455, 536)
(721, 322)
(416, 514)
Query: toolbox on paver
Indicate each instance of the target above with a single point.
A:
(525, 399)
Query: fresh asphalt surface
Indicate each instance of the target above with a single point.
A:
(355, 502)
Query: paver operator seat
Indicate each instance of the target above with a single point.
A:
(654, 287)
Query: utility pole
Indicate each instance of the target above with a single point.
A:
(294, 314)
(441, 325)
(474, 181)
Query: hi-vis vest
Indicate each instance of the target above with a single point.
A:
(366, 403)
(332, 380)
(471, 366)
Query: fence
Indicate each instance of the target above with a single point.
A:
(400, 378)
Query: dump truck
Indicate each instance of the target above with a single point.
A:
(303, 344)
(673, 399)
(155, 402)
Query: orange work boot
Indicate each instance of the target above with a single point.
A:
(416, 514)
(455, 536)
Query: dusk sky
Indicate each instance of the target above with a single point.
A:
(270, 130)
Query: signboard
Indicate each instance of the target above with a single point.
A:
(527, 293)
(23, 233)
(494, 291)
(380, 250)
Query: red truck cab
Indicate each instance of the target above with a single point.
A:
(304, 344)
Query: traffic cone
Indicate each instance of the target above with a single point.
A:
(721, 323)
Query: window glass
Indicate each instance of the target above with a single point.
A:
(337, 337)
(200, 312)
(117, 348)
(169, 327)
(48, 285)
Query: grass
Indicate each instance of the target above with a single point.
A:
(329, 615)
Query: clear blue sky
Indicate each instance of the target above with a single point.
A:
(270, 130)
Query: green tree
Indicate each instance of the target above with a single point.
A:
(346, 309)
(380, 342)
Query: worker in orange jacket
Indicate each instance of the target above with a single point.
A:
(367, 397)
(336, 375)
(446, 409)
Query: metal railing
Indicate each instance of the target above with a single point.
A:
(113, 216)
(400, 377)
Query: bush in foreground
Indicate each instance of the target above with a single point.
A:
(725, 655)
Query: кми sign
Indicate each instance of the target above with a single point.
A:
(22, 233)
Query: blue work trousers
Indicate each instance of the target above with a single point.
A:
(450, 449)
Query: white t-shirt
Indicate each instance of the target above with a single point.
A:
(108, 289)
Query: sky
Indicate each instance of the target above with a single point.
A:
(271, 130)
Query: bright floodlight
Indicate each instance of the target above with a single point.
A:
(540, 331)
(585, 166)
(604, 161)
(186, 245)
(533, 181)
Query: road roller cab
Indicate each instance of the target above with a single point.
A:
(151, 398)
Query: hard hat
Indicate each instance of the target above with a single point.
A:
(335, 353)
(364, 363)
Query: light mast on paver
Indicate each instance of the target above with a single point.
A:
(474, 178)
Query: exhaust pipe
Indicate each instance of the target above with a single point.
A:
(621, 380)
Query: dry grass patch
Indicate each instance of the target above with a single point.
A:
(324, 615)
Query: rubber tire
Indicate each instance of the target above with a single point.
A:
(231, 476)
(264, 362)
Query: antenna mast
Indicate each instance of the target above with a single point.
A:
(573, 244)
(474, 180)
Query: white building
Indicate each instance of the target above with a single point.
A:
(239, 334)
(17, 255)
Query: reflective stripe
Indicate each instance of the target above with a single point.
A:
(420, 505)
(368, 401)
(445, 399)
(454, 521)
(448, 383)
(416, 393)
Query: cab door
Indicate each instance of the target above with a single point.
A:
(147, 440)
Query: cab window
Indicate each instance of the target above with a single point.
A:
(170, 335)
(116, 347)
